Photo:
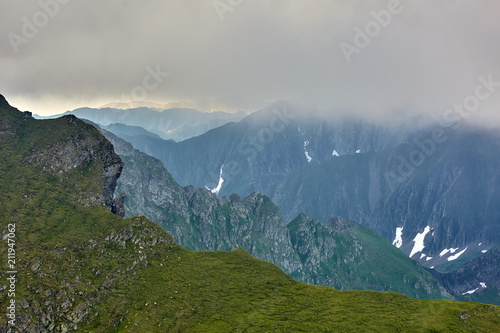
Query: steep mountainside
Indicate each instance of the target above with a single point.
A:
(173, 124)
(343, 253)
(81, 268)
(452, 198)
(441, 184)
(199, 221)
(478, 280)
(257, 153)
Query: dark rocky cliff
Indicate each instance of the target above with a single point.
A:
(197, 219)
(80, 146)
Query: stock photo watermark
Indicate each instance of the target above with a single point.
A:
(150, 81)
(31, 26)
(471, 103)
(223, 6)
(451, 118)
(10, 237)
(372, 29)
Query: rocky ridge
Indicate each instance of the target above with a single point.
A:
(198, 220)
(81, 268)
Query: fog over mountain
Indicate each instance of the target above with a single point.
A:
(372, 57)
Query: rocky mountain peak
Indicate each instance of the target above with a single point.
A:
(67, 148)
(3, 101)
(339, 224)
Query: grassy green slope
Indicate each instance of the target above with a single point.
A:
(397, 266)
(356, 257)
(82, 268)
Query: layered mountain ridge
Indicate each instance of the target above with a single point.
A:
(358, 170)
(171, 124)
(443, 211)
(82, 268)
(349, 257)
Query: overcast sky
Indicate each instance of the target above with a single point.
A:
(242, 54)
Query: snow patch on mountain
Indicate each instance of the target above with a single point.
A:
(457, 255)
(309, 158)
(398, 240)
(470, 292)
(442, 253)
(451, 250)
(219, 186)
(419, 241)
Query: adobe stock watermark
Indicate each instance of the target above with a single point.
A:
(31, 26)
(471, 103)
(372, 29)
(223, 6)
(151, 80)
(451, 118)
(11, 273)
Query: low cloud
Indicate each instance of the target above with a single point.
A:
(428, 57)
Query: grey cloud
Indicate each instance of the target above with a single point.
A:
(94, 52)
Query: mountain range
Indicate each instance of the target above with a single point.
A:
(171, 124)
(80, 267)
(358, 170)
(442, 211)
(341, 254)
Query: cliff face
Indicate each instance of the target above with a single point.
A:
(197, 219)
(340, 254)
(81, 149)
(77, 147)
(57, 179)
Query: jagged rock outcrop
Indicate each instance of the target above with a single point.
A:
(48, 170)
(118, 207)
(79, 147)
(197, 219)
